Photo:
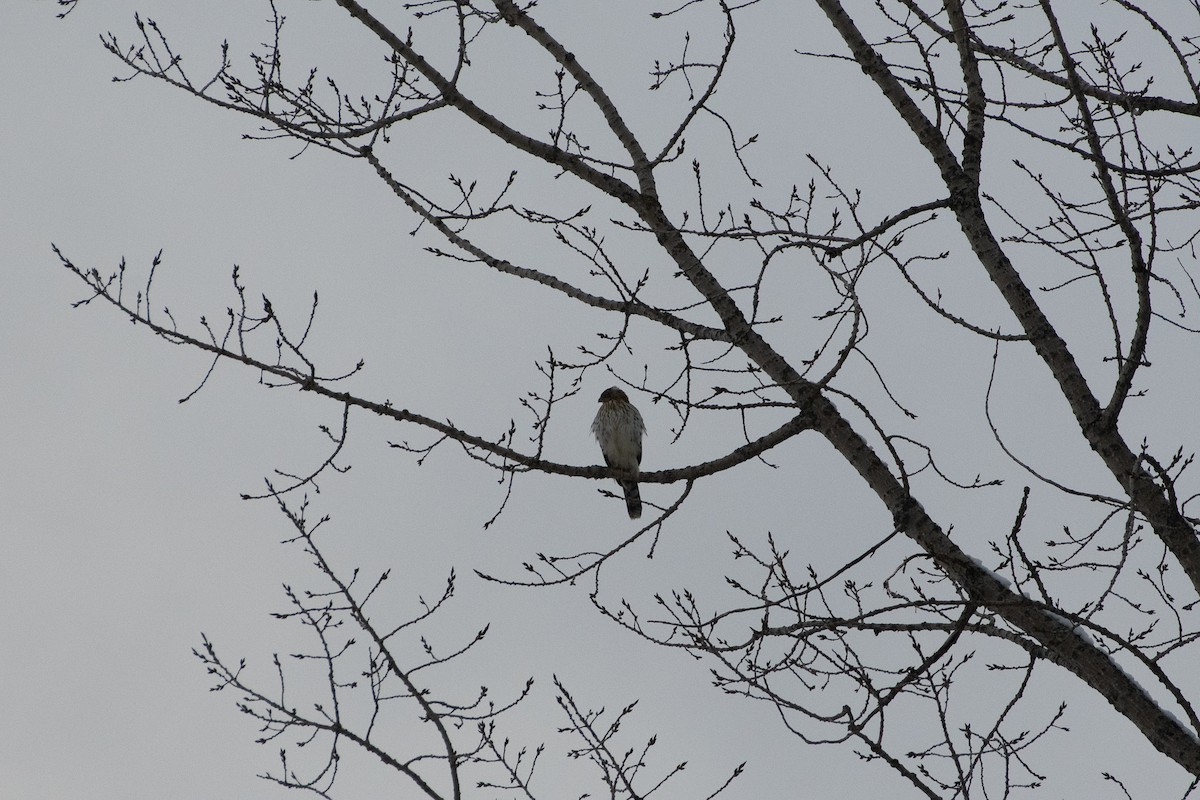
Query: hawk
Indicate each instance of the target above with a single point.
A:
(618, 428)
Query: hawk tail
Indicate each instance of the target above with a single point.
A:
(633, 499)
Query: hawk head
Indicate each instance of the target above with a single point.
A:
(613, 395)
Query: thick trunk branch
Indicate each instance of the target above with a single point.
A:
(1065, 647)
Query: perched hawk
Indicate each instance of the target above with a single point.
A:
(618, 428)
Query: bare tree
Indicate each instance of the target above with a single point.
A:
(1058, 172)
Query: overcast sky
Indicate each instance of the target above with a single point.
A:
(123, 535)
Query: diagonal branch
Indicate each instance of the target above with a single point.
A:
(1168, 522)
(455, 98)
(1133, 239)
(631, 306)
(1064, 646)
(1132, 101)
(512, 460)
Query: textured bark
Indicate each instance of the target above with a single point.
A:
(1068, 650)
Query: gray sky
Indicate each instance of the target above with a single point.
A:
(122, 529)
